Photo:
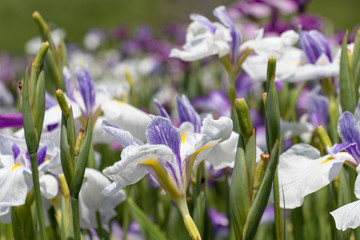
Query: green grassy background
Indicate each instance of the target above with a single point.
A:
(78, 16)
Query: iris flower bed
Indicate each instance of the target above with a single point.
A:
(241, 125)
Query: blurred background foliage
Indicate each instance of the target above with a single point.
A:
(77, 17)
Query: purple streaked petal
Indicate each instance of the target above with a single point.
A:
(221, 14)
(86, 87)
(313, 44)
(124, 137)
(11, 120)
(321, 42)
(41, 154)
(16, 150)
(349, 131)
(162, 110)
(204, 21)
(160, 131)
(187, 112)
(339, 147)
(318, 110)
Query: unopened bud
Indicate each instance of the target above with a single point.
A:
(260, 172)
(243, 117)
(79, 141)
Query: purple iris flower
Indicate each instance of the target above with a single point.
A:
(216, 102)
(220, 224)
(314, 44)
(186, 112)
(318, 110)
(349, 132)
(221, 14)
(86, 87)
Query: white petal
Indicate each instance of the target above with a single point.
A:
(213, 132)
(312, 72)
(289, 129)
(14, 186)
(302, 171)
(223, 154)
(91, 199)
(347, 216)
(5, 214)
(129, 169)
(49, 186)
(124, 116)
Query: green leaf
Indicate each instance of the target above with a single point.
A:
(82, 160)
(250, 157)
(355, 67)
(240, 198)
(344, 197)
(262, 197)
(347, 88)
(147, 227)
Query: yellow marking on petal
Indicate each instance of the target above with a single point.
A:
(165, 180)
(183, 138)
(119, 102)
(326, 160)
(47, 159)
(204, 147)
(15, 166)
(297, 63)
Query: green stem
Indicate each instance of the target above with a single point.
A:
(277, 207)
(100, 229)
(38, 202)
(75, 214)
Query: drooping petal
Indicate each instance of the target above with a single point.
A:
(130, 170)
(302, 171)
(5, 214)
(347, 216)
(124, 137)
(49, 186)
(91, 200)
(15, 183)
(187, 112)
